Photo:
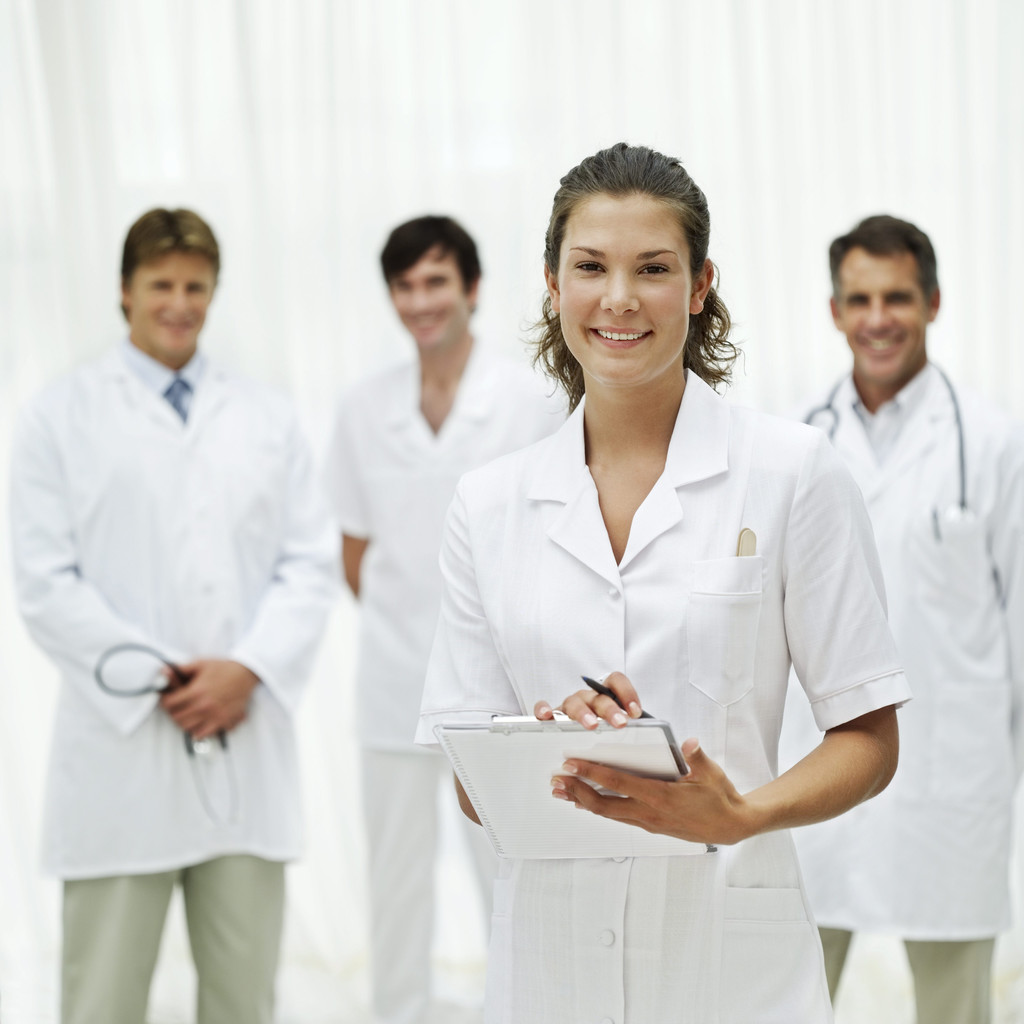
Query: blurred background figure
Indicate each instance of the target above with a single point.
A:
(401, 441)
(681, 548)
(943, 475)
(174, 560)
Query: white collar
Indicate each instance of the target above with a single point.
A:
(699, 447)
(155, 375)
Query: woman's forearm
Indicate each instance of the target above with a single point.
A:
(853, 762)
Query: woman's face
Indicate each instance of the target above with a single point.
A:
(624, 291)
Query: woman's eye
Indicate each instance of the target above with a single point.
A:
(588, 266)
(654, 268)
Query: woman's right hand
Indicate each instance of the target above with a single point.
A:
(588, 707)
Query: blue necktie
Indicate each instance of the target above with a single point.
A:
(179, 394)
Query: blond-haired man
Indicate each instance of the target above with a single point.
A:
(162, 502)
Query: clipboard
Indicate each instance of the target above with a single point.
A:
(506, 767)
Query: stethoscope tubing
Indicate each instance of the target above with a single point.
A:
(124, 648)
(190, 743)
(828, 406)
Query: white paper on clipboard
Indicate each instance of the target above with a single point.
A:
(506, 767)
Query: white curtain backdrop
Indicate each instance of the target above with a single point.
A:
(305, 130)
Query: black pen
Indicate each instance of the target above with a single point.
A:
(601, 688)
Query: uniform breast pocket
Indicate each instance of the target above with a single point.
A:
(722, 616)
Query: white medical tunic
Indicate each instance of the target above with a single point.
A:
(391, 479)
(929, 858)
(202, 539)
(534, 598)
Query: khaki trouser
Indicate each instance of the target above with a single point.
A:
(952, 980)
(234, 907)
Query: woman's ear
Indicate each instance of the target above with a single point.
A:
(551, 280)
(701, 286)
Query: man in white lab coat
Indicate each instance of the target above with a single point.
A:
(160, 501)
(402, 439)
(943, 476)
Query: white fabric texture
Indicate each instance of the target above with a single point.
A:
(391, 479)
(533, 598)
(955, 586)
(402, 795)
(201, 539)
(305, 131)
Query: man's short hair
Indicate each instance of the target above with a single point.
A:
(409, 242)
(159, 232)
(883, 235)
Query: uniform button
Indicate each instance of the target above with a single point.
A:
(607, 937)
(618, 860)
(607, 1020)
(613, 591)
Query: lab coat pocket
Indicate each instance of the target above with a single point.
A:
(722, 616)
(957, 596)
(772, 969)
(948, 546)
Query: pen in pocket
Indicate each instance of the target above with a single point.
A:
(746, 543)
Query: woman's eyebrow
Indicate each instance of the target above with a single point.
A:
(640, 255)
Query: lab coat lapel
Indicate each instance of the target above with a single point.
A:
(699, 449)
(138, 399)
(920, 431)
(211, 393)
(561, 476)
(472, 403)
(851, 438)
(404, 415)
(917, 438)
(475, 394)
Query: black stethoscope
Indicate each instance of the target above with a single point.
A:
(829, 407)
(196, 749)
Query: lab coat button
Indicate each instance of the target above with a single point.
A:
(607, 937)
(613, 591)
(618, 860)
(607, 1020)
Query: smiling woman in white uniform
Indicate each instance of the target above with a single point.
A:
(611, 549)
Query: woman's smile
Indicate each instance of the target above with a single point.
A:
(619, 339)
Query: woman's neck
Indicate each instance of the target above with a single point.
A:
(620, 422)
(440, 375)
(627, 434)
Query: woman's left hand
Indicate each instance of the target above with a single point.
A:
(702, 806)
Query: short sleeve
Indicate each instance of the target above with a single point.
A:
(344, 481)
(839, 639)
